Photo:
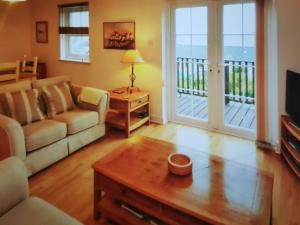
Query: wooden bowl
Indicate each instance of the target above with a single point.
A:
(179, 164)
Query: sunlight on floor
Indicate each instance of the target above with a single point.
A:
(228, 147)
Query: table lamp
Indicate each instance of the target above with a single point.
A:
(132, 57)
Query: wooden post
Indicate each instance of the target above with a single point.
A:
(246, 80)
(240, 81)
(203, 78)
(226, 81)
(187, 76)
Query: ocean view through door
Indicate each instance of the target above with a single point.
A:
(213, 77)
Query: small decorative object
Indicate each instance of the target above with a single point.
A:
(41, 32)
(132, 57)
(119, 35)
(179, 164)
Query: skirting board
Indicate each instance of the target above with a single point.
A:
(158, 119)
(266, 145)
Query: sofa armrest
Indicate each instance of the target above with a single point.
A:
(12, 140)
(13, 183)
(102, 108)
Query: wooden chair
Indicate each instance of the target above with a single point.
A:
(9, 72)
(29, 67)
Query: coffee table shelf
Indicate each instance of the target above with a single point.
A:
(111, 210)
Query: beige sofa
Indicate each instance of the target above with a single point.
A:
(17, 208)
(42, 143)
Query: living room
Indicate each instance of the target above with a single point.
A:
(238, 171)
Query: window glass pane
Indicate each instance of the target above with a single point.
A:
(232, 19)
(199, 20)
(79, 19)
(249, 21)
(183, 21)
(79, 45)
(74, 47)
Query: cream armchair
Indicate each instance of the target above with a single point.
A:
(17, 208)
(12, 137)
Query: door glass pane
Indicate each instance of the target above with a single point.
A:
(232, 19)
(248, 20)
(183, 21)
(199, 43)
(191, 62)
(233, 47)
(199, 25)
(239, 51)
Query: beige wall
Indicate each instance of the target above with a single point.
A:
(105, 70)
(288, 12)
(15, 30)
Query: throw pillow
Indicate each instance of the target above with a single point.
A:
(23, 106)
(58, 98)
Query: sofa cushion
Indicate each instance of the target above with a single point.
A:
(23, 106)
(43, 133)
(35, 211)
(19, 86)
(50, 81)
(78, 120)
(58, 98)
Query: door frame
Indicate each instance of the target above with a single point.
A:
(235, 131)
(172, 79)
(216, 107)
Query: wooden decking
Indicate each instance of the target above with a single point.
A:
(236, 113)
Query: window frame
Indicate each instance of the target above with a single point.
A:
(66, 32)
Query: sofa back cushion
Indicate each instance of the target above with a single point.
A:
(20, 86)
(58, 98)
(23, 106)
(50, 81)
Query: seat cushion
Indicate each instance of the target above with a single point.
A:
(43, 133)
(35, 211)
(78, 120)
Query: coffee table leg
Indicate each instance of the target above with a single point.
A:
(97, 197)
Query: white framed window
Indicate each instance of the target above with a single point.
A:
(74, 32)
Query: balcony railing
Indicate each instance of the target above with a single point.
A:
(239, 79)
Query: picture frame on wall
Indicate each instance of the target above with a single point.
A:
(41, 31)
(119, 35)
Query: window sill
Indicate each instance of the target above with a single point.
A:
(75, 61)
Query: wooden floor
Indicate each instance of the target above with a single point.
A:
(236, 113)
(69, 183)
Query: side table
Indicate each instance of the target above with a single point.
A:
(128, 111)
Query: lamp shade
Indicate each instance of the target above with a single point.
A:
(132, 56)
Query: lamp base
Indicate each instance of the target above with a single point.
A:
(132, 89)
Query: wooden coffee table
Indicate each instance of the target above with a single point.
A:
(218, 192)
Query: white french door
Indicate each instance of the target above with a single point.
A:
(213, 53)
